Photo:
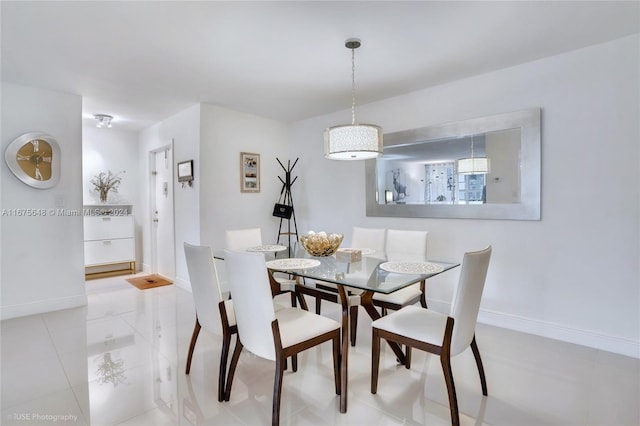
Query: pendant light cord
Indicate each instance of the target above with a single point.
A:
(472, 146)
(353, 86)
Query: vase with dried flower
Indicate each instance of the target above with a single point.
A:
(105, 182)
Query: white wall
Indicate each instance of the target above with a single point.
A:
(214, 137)
(42, 257)
(225, 134)
(112, 150)
(573, 275)
(183, 131)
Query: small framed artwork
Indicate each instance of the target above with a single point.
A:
(249, 172)
(185, 172)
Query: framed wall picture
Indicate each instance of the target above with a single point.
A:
(249, 172)
(185, 171)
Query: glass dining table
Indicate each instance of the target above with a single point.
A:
(374, 273)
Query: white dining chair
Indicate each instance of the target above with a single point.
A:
(437, 333)
(404, 245)
(369, 238)
(242, 239)
(270, 334)
(205, 286)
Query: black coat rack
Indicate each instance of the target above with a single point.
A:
(285, 210)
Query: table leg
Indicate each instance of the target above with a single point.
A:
(366, 300)
(344, 352)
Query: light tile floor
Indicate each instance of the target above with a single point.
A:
(121, 359)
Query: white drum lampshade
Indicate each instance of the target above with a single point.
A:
(353, 142)
(473, 166)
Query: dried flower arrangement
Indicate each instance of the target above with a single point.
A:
(105, 182)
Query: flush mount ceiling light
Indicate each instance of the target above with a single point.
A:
(473, 165)
(103, 120)
(353, 141)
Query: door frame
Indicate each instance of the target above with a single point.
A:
(153, 243)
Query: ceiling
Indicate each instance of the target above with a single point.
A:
(144, 61)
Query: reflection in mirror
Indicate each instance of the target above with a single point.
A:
(420, 173)
(427, 173)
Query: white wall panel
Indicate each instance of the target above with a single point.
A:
(42, 256)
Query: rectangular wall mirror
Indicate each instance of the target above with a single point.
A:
(421, 173)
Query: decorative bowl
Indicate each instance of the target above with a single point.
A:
(321, 244)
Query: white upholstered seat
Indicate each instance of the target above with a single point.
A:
(416, 323)
(437, 333)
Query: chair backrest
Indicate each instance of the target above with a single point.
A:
(204, 285)
(242, 239)
(466, 302)
(406, 245)
(252, 301)
(372, 238)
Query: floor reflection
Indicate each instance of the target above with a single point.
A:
(110, 371)
(120, 361)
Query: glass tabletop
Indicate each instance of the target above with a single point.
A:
(377, 272)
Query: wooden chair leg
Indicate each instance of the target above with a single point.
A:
(224, 356)
(293, 300)
(407, 358)
(318, 303)
(423, 296)
(232, 368)
(336, 363)
(192, 345)
(451, 389)
(294, 363)
(303, 303)
(476, 354)
(353, 326)
(277, 390)
(375, 360)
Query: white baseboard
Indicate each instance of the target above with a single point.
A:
(619, 345)
(182, 283)
(43, 306)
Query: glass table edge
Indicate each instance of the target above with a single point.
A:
(411, 278)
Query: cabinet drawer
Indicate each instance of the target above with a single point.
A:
(108, 227)
(109, 251)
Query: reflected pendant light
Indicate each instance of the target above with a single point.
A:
(353, 141)
(473, 165)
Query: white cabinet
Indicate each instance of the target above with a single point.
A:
(109, 240)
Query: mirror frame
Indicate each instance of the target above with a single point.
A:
(530, 169)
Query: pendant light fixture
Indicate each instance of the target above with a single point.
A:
(353, 141)
(473, 165)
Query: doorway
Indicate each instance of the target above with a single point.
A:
(161, 211)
